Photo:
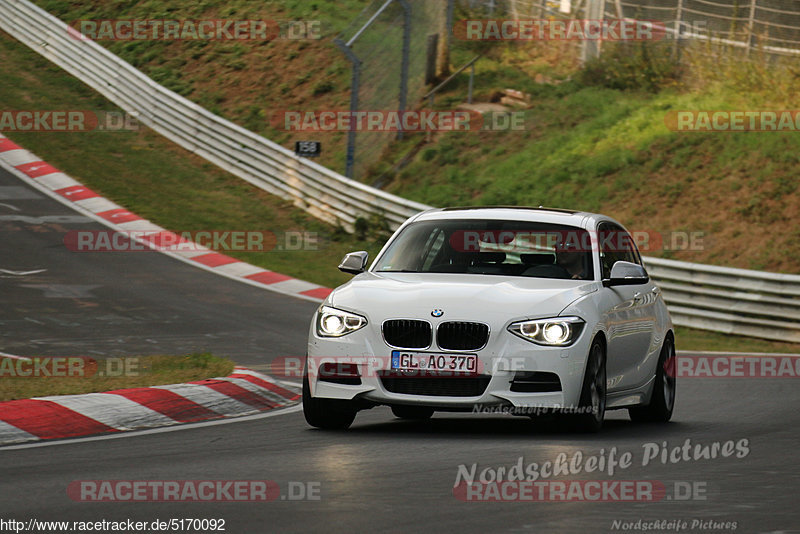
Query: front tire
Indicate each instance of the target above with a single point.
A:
(662, 401)
(592, 405)
(327, 414)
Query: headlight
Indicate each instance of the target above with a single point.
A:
(337, 323)
(557, 331)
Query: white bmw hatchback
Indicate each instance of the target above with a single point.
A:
(515, 310)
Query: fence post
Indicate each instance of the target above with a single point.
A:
(595, 10)
(445, 39)
(676, 47)
(750, 24)
(432, 53)
(404, 62)
(354, 86)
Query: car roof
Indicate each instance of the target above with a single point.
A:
(542, 214)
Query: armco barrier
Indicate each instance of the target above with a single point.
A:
(735, 301)
(750, 303)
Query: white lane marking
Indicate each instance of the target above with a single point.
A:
(9, 206)
(14, 357)
(135, 433)
(294, 286)
(210, 399)
(245, 371)
(12, 434)
(57, 180)
(18, 156)
(96, 204)
(255, 388)
(112, 410)
(267, 378)
(240, 269)
(21, 273)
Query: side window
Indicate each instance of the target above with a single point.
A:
(615, 245)
(433, 248)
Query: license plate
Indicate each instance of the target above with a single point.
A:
(426, 361)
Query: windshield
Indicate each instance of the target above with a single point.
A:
(490, 247)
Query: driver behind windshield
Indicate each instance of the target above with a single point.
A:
(570, 258)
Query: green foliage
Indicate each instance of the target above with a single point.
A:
(632, 66)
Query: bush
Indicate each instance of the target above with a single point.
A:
(632, 66)
(322, 88)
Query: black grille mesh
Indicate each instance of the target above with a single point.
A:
(535, 382)
(462, 336)
(407, 333)
(448, 386)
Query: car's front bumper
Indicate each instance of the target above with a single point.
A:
(500, 360)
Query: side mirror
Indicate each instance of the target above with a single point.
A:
(354, 262)
(625, 273)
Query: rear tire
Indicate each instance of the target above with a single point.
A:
(662, 401)
(418, 413)
(593, 392)
(327, 414)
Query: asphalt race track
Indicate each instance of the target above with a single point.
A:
(383, 475)
(125, 303)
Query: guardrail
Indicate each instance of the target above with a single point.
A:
(734, 301)
(750, 303)
(312, 187)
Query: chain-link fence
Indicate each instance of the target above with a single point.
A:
(390, 41)
(376, 40)
(769, 26)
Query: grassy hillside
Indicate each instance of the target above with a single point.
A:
(244, 81)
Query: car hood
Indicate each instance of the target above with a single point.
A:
(460, 296)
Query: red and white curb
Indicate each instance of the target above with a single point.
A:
(54, 183)
(245, 392)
